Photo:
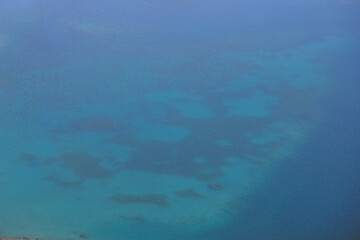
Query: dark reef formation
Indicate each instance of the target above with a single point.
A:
(77, 236)
(189, 193)
(152, 199)
(215, 186)
(21, 238)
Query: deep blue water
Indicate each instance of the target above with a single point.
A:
(185, 120)
(324, 179)
(317, 193)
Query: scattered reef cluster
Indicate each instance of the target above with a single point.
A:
(173, 139)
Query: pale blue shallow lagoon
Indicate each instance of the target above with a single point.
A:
(180, 120)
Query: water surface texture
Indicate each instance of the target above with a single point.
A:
(180, 120)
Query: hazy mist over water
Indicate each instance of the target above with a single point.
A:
(180, 120)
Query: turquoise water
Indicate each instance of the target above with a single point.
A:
(179, 120)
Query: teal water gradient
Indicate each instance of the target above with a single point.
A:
(163, 120)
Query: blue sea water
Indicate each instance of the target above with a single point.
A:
(131, 120)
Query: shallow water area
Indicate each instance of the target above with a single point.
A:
(122, 121)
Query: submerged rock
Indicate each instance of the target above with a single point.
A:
(21, 238)
(215, 186)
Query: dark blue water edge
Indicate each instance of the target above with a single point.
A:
(315, 194)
